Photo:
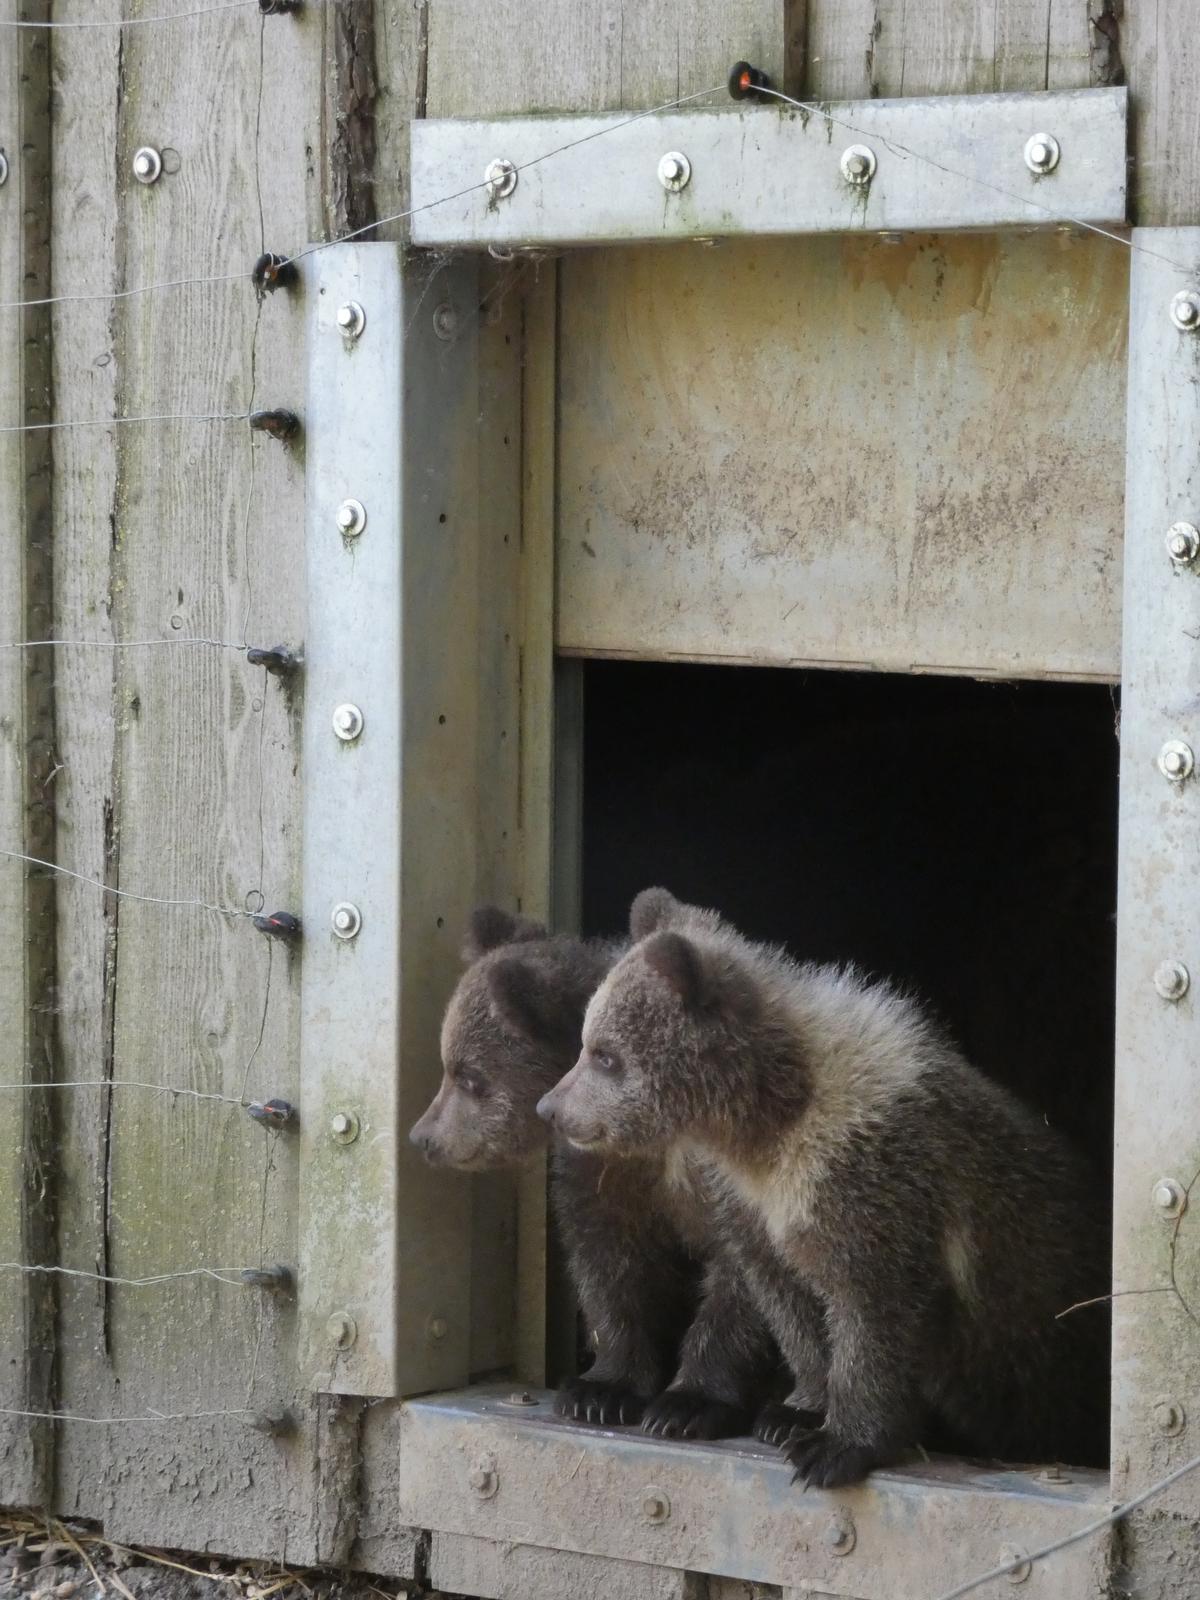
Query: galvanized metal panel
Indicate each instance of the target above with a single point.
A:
(479, 1567)
(1156, 1349)
(905, 456)
(470, 1464)
(594, 179)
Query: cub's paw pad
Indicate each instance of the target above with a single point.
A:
(607, 1404)
(779, 1424)
(690, 1414)
(824, 1461)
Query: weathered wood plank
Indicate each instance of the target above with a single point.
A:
(539, 55)
(1162, 59)
(209, 543)
(787, 513)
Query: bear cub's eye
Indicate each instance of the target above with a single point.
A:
(606, 1061)
(470, 1084)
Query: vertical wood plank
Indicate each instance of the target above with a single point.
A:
(544, 56)
(1161, 54)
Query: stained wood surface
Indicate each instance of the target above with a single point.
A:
(1159, 51)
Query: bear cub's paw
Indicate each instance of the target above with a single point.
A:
(691, 1414)
(780, 1424)
(608, 1404)
(822, 1460)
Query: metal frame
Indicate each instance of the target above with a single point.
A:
(587, 180)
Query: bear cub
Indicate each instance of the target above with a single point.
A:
(909, 1231)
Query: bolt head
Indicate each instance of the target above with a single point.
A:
(3, 169)
(346, 920)
(839, 1537)
(1041, 153)
(500, 177)
(1021, 1572)
(347, 722)
(1185, 310)
(340, 1123)
(351, 518)
(1170, 1417)
(1183, 542)
(342, 1329)
(437, 1329)
(1169, 1197)
(147, 164)
(674, 171)
(858, 164)
(351, 319)
(445, 321)
(1171, 980)
(1176, 760)
(656, 1505)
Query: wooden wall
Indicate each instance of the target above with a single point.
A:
(172, 772)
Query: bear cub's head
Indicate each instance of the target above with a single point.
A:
(511, 1029)
(662, 1037)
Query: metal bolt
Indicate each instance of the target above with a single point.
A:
(524, 1398)
(445, 321)
(346, 920)
(501, 178)
(3, 168)
(656, 1505)
(1175, 760)
(1054, 1474)
(858, 164)
(1171, 979)
(351, 518)
(342, 1329)
(484, 1479)
(1020, 1573)
(1170, 1417)
(674, 171)
(839, 1536)
(1183, 543)
(147, 164)
(344, 1126)
(347, 722)
(351, 319)
(1185, 310)
(1041, 152)
(438, 1329)
(1169, 1197)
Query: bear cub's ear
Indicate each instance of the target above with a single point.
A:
(530, 1004)
(651, 910)
(490, 927)
(679, 963)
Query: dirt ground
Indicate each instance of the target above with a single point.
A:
(51, 1560)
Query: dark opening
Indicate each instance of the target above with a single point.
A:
(955, 835)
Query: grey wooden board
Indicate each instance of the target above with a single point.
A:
(1156, 1353)
(1159, 53)
(516, 1571)
(541, 55)
(888, 47)
(733, 1510)
(851, 453)
(15, 1464)
(769, 170)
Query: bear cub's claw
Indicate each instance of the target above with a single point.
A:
(607, 1404)
(822, 1460)
(780, 1424)
(691, 1414)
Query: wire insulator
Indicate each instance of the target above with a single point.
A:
(281, 425)
(273, 272)
(279, 925)
(746, 80)
(272, 1113)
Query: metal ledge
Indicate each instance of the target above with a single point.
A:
(768, 171)
(476, 1464)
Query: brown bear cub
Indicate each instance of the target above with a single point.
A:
(634, 1234)
(909, 1231)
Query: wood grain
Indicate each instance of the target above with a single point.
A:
(1161, 55)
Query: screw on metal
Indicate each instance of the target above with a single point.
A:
(1183, 543)
(521, 1398)
(1171, 980)
(839, 1536)
(1176, 760)
(655, 1505)
(1021, 1571)
(3, 169)
(1170, 1417)
(344, 1126)
(674, 171)
(1053, 1474)
(501, 178)
(1170, 1197)
(347, 722)
(1185, 310)
(445, 320)
(147, 164)
(1042, 153)
(351, 320)
(437, 1329)
(351, 518)
(484, 1478)
(279, 925)
(278, 1280)
(279, 424)
(345, 920)
(272, 1113)
(271, 272)
(342, 1330)
(277, 659)
(858, 164)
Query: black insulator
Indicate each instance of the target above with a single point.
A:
(273, 272)
(279, 925)
(280, 8)
(272, 1113)
(745, 81)
(283, 663)
(281, 425)
(277, 1279)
